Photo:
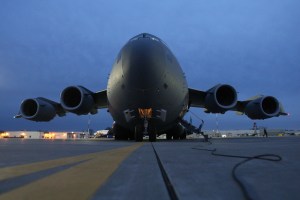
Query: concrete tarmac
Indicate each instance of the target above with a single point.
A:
(97, 169)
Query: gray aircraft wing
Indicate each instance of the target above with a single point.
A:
(222, 98)
(74, 99)
(101, 99)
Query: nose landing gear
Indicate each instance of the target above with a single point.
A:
(146, 127)
(140, 131)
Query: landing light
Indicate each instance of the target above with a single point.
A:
(145, 112)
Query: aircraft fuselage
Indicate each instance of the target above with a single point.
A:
(147, 81)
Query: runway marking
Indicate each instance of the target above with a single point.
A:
(12, 172)
(78, 182)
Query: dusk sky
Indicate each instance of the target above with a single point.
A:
(45, 46)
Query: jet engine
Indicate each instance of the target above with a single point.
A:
(78, 100)
(262, 108)
(38, 109)
(220, 98)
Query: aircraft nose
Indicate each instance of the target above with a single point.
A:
(144, 68)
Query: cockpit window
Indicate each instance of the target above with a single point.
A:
(146, 36)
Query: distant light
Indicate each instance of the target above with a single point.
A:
(5, 134)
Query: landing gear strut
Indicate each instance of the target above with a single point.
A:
(145, 129)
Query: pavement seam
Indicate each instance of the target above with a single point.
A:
(168, 183)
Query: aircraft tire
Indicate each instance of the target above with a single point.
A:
(183, 136)
(138, 134)
(152, 135)
(120, 133)
(176, 137)
(131, 136)
(169, 136)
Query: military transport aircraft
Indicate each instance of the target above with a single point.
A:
(147, 92)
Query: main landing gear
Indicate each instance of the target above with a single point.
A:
(176, 133)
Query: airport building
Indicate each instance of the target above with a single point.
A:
(244, 133)
(103, 133)
(42, 135)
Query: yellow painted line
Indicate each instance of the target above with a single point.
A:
(78, 182)
(11, 172)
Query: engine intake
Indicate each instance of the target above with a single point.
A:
(78, 100)
(220, 98)
(262, 108)
(38, 109)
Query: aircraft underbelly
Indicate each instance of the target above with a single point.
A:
(158, 104)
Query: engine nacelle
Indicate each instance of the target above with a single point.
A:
(262, 108)
(38, 109)
(78, 100)
(220, 98)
